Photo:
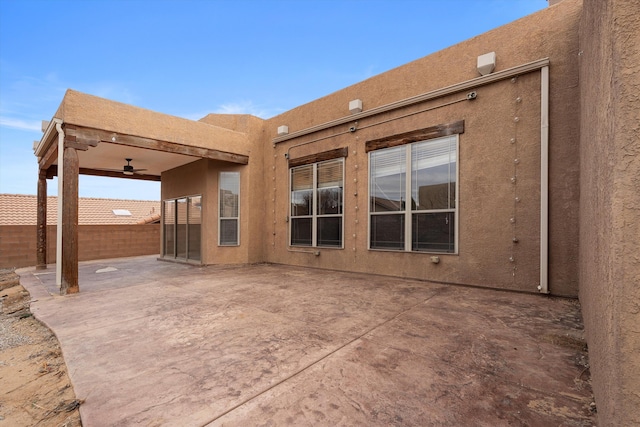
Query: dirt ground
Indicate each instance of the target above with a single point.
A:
(35, 389)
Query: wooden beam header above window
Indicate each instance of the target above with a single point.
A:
(319, 157)
(431, 132)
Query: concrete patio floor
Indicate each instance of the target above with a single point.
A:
(154, 343)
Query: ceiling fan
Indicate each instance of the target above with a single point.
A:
(130, 170)
(127, 169)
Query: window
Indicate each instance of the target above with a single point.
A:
(413, 196)
(317, 204)
(229, 219)
(181, 227)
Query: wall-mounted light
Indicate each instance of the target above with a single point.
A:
(486, 63)
(355, 106)
(283, 130)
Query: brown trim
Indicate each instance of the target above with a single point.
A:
(91, 134)
(53, 171)
(78, 145)
(73, 141)
(415, 136)
(319, 157)
(50, 156)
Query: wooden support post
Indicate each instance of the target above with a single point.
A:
(41, 256)
(70, 169)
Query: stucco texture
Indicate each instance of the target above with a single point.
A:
(486, 159)
(610, 203)
(202, 178)
(94, 112)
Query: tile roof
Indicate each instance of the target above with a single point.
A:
(20, 209)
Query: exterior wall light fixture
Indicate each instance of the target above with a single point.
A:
(486, 63)
(283, 130)
(355, 106)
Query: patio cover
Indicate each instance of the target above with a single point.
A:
(93, 136)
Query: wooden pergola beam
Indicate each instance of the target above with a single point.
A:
(50, 156)
(90, 134)
(53, 171)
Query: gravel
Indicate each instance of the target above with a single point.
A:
(9, 338)
(14, 306)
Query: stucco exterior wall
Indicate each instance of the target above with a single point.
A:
(202, 178)
(486, 159)
(91, 111)
(486, 192)
(253, 187)
(610, 202)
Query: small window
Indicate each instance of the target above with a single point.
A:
(229, 221)
(121, 212)
(317, 199)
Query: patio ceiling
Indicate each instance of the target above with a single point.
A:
(103, 153)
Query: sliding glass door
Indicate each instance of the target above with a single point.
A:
(182, 228)
(194, 215)
(169, 229)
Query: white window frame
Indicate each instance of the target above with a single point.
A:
(408, 212)
(314, 211)
(221, 218)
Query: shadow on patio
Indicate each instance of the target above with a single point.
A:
(156, 343)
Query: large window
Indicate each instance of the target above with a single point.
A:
(317, 204)
(413, 196)
(181, 228)
(229, 225)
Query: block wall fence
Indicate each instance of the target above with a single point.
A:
(18, 243)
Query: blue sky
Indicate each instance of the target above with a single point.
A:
(193, 57)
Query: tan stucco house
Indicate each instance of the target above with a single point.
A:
(507, 161)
